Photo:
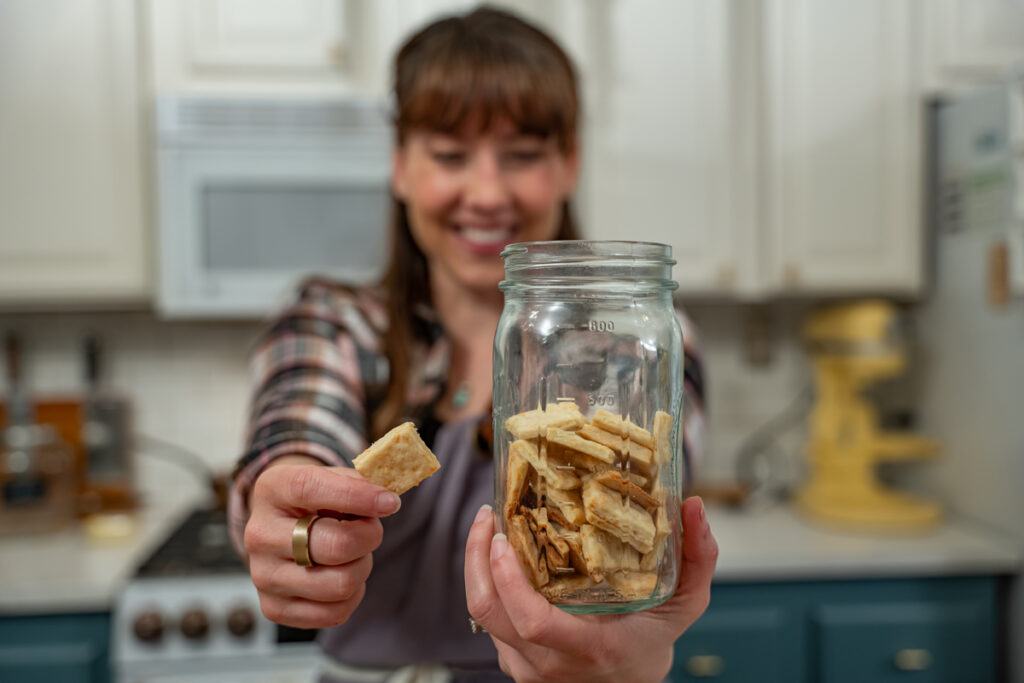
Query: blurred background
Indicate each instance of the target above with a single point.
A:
(842, 184)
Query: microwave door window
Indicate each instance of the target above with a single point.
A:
(338, 230)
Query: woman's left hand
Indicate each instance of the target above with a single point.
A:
(536, 641)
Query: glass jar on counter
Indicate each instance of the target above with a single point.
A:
(588, 396)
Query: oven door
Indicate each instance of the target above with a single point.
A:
(240, 226)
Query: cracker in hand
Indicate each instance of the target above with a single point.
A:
(398, 461)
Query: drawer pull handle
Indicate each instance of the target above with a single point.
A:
(913, 660)
(705, 666)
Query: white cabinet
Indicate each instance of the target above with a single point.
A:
(72, 217)
(842, 136)
(663, 137)
(967, 41)
(775, 145)
(269, 47)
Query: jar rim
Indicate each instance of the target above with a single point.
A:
(611, 266)
(652, 253)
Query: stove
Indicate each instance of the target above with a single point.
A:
(191, 613)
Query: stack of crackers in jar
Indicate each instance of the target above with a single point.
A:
(583, 500)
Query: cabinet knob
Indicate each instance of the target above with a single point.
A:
(337, 54)
(725, 275)
(791, 275)
(705, 666)
(912, 660)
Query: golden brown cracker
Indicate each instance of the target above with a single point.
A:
(569, 504)
(614, 480)
(515, 482)
(525, 545)
(398, 461)
(572, 441)
(560, 479)
(533, 423)
(614, 424)
(662, 437)
(562, 587)
(605, 553)
(625, 519)
(633, 585)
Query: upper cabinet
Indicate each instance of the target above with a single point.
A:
(664, 137)
(842, 138)
(73, 226)
(776, 146)
(967, 41)
(288, 47)
(261, 46)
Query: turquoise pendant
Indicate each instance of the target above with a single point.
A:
(461, 397)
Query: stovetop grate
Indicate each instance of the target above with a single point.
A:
(200, 545)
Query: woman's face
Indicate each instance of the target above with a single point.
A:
(470, 194)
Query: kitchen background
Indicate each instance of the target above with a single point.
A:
(788, 151)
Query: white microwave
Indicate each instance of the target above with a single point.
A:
(255, 195)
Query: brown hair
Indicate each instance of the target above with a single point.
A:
(481, 66)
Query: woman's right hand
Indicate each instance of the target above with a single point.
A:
(327, 593)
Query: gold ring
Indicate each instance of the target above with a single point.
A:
(300, 541)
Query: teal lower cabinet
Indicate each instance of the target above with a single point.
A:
(941, 630)
(65, 648)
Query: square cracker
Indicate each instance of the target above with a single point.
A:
(615, 480)
(565, 586)
(625, 519)
(525, 546)
(640, 457)
(613, 423)
(398, 461)
(662, 437)
(633, 585)
(605, 553)
(557, 478)
(662, 530)
(534, 423)
(569, 505)
(515, 482)
(577, 443)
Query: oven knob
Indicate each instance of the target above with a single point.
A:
(149, 627)
(241, 622)
(195, 624)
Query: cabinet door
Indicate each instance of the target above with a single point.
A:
(928, 642)
(73, 226)
(843, 128)
(661, 143)
(73, 648)
(969, 41)
(266, 46)
(740, 644)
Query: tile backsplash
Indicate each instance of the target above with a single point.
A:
(188, 384)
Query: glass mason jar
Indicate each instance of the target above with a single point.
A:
(588, 396)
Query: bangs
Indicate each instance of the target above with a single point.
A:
(473, 83)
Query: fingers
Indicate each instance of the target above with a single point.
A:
(534, 619)
(307, 613)
(481, 597)
(700, 555)
(331, 541)
(308, 488)
(285, 579)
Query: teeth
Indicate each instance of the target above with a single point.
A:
(486, 236)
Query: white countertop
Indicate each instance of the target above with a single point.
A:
(776, 543)
(67, 572)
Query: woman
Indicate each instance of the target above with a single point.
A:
(486, 155)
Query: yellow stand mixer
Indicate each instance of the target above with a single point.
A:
(854, 345)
